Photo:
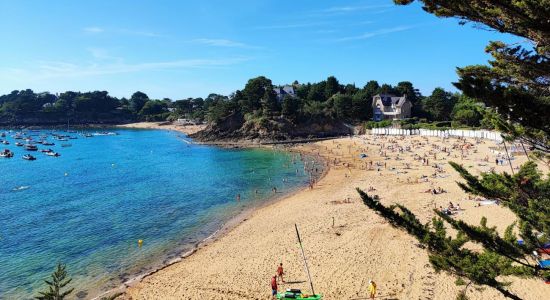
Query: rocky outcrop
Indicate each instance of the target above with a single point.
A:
(235, 128)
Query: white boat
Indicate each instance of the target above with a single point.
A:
(105, 133)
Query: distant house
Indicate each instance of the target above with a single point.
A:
(282, 91)
(391, 107)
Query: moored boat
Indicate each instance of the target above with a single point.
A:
(18, 144)
(54, 154)
(29, 157)
(30, 147)
(105, 133)
(6, 153)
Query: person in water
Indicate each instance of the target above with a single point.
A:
(274, 287)
(372, 289)
(280, 272)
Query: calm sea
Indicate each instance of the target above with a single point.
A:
(89, 207)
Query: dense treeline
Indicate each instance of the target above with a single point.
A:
(256, 102)
(348, 103)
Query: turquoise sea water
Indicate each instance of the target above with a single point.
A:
(90, 206)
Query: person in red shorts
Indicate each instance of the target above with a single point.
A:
(274, 287)
(280, 272)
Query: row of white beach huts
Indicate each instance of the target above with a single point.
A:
(480, 134)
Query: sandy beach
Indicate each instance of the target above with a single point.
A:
(186, 129)
(346, 243)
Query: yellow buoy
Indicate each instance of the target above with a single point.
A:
(140, 242)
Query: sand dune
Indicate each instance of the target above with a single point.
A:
(360, 246)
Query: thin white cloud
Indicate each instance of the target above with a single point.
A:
(347, 9)
(52, 70)
(375, 33)
(220, 43)
(98, 30)
(292, 25)
(138, 33)
(102, 54)
(93, 29)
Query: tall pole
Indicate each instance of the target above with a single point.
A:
(304, 257)
(508, 156)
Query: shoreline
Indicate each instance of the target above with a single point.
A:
(358, 246)
(227, 226)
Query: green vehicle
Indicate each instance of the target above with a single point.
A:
(297, 294)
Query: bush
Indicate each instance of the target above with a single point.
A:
(379, 124)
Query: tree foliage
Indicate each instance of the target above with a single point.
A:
(59, 281)
(515, 85)
(516, 82)
(439, 104)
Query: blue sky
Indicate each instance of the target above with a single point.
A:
(181, 49)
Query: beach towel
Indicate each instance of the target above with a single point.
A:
(544, 263)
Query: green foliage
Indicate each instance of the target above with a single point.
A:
(498, 258)
(154, 110)
(332, 87)
(361, 106)
(342, 105)
(58, 282)
(516, 80)
(269, 102)
(467, 112)
(439, 105)
(377, 124)
(137, 101)
(291, 107)
(253, 92)
(220, 110)
(516, 85)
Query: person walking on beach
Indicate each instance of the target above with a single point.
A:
(372, 289)
(280, 272)
(274, 287)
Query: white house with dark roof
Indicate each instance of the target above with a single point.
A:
(386, 106)
(282, 91)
